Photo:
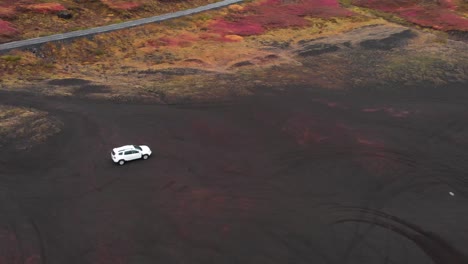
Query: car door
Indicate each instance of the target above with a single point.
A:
(133, 154)
(136, 154)
(128, 155)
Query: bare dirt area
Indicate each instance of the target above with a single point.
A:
(319, 135)
(306, 175)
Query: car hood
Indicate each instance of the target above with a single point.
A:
(145, 149)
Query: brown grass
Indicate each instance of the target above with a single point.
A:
(133, 61)
(25, 127)
(40, 19)
(178, 43)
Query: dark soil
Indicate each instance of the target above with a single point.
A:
(392, 41)
(317, 49)
(91, 88)
(304, 176)
(242, 64)
(68, 82)
(176, 71)
(458, 35)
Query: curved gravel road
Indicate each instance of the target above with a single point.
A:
(93, 31)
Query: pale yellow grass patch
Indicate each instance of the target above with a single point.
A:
(29, 126)
(319, 28)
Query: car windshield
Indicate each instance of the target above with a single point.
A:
(137, 147)
(113, 153)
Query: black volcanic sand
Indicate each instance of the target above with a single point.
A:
(303, 176)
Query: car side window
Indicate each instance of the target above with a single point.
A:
(120, 153)
(128, 152)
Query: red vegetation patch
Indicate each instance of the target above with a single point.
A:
(439, 15)
(7, 11)
(225, 37)
(448, 4)
(315, 8)
(436, 18)
(44, 8)
(182, 40)
(121, 5)
(270, 14)
(241, 28)
(7, 29)
(210, 36)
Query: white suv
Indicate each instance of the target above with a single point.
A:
(126, 153)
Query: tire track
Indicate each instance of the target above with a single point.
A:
(433, 245)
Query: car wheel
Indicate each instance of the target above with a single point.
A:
(145, 156)
(121, 162)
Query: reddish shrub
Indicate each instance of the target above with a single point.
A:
(7, 29)
(7, 11)
(121, 5)
(448, 4)
(182, 40)
(241, 28)
(256, 18)
(210, 36)
(317, 8)
(270, 17)
(126, 6)
(44, 8)
(385, 5)
(439, 19)
(439, 14)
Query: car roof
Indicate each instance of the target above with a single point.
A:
(122, 148)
